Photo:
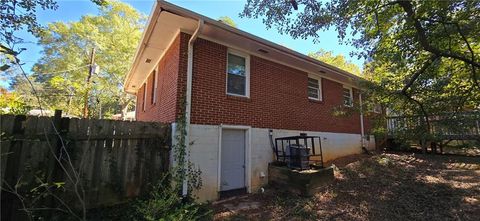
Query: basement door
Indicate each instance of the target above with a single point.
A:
(232, 164)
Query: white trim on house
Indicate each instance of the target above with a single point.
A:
(193, 15)
(362, 127)
(173, 17)
(319, 89)
(161, 56)
(247, 72)
(141, 46)
(351, 96)
(248, 144)
(155, 85)
(144, 103)
(188, 96)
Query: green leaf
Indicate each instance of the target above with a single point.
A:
(59, 184)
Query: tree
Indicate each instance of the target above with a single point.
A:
(17, 15)
(423, 55)
(11, 103)
(338, 61)
(63, 68)
(227, 20)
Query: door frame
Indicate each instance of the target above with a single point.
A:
(248, 133)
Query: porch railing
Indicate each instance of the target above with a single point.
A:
(455, 126)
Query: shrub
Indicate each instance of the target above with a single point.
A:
(166, 203)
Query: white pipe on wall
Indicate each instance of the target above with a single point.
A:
(362, 129)
(188, 97)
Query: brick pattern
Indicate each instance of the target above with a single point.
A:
(278, 94)
(169, 84)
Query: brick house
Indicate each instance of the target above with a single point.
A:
(237, 88)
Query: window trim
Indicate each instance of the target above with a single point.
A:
(247, 72)
(153, 99)
(320, 91)
(351, 96)
(144, 103)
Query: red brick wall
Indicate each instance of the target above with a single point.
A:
(278, 96)
(168, 81)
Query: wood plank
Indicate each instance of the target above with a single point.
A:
(9, 201)
(129, 155)
(6, 127)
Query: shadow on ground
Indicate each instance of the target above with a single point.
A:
(382, 187)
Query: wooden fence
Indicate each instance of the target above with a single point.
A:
(115, 160)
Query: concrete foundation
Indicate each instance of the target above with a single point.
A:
(204, 153)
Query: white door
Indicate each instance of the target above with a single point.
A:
(233, 160)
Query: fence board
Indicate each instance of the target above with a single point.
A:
(116, 160)
(6, 124)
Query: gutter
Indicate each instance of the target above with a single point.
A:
(188, 98)
(162, 6)
(362, 129)
(187, 13)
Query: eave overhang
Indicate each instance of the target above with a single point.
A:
(167, 20)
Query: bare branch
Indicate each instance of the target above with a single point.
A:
(414, 77)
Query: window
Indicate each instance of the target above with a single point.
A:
(144, 95)
(314, 88)
(347, 96)
(154, 88)
(237, 74)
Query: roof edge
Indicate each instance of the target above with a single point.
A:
(161, 5)
(141, 46)
(188, 13)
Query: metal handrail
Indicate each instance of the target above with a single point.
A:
(314, 143)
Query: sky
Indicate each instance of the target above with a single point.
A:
(72, 10)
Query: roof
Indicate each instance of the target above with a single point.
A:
(167, 20)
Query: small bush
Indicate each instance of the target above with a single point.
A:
(166, 203)
(399, 145)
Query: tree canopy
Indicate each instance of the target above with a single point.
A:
(62, 70)
(338, 61)
(423, 56)
(21, 15)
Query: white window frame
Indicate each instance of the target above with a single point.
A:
(351, 96)
(320, 92)
(247, 72)
(155, 85)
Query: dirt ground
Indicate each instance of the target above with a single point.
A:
(388, 186)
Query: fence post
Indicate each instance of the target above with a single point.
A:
(60, 126)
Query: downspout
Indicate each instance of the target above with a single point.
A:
(188, 99)
(362, 129)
